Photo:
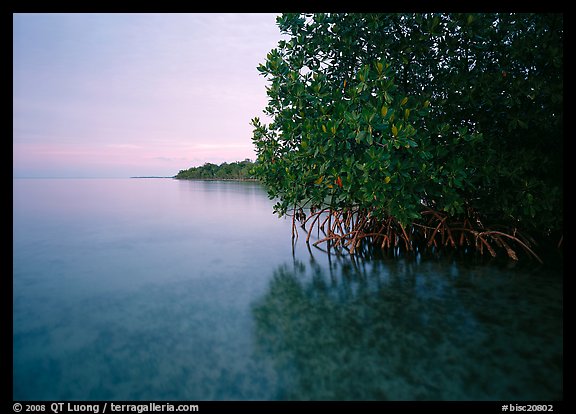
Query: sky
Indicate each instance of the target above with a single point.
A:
(121, 95)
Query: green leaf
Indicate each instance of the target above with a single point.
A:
(522, 124)
(387, 98)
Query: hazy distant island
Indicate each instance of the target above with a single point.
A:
(238, 170)
(150, 176)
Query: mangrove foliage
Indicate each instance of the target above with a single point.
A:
(416, 130)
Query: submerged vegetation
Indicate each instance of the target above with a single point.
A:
(408, 331)
(417, 130)
(239, 170)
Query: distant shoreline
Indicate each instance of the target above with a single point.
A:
(199, 179)
(150, 176)
(217, 179)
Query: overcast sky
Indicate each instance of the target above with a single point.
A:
(119, 95)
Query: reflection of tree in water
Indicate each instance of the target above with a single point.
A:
(405, 331)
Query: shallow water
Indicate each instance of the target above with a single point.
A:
(159, 289)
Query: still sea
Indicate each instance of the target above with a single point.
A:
(163, 289)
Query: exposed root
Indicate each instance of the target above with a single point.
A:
(351, 228)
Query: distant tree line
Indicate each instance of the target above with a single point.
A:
(238, 170)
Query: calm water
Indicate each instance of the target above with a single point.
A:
(158, 289)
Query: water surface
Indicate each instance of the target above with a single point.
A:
(159, 289)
